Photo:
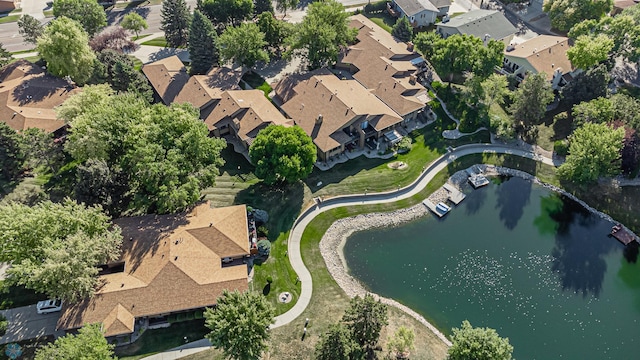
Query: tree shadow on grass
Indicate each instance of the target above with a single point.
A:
(266, 289)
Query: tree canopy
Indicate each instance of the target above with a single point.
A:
(64, 45)
(566, 13)
(623, 30)
(112, 38)
(598, 110)
(459, 53)
(365, 318)
(5, 56)
(337, 344)
(594, 151)
(284, 5)
(226, 12)
(587, 85)
(89, 343)
(275, 31)
(12, 156)
(323, 31)
(402, 29)
(88, 13)
(478, 344)
(30, 28)
(202, 44)
(134, 22)
(530, 100)
(401, 342)
(588, 51)
(281, 153)
(260, 6)
(243, 44)
(239, 324)
(175, 22)
(56, 248)
(164, 152)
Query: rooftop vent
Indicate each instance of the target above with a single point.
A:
(319, 119)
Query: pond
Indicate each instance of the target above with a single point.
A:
(516, 257)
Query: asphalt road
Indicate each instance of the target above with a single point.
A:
(25, 323)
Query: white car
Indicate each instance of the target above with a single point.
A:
(48, 306)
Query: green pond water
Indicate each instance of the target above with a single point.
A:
(516, 257)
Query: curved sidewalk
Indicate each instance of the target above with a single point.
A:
(295, 236)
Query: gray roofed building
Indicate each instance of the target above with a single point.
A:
(421, 12)
(485, 24)
(413, 7)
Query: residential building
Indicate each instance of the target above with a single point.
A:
(387, 67)
(28, 97)
(544, 53)
(170, 264)
(7, 6)
(167, 77)
(485, 24)
(242, 114)
(339, 115)
(421, 12)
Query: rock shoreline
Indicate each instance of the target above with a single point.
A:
(332, 242)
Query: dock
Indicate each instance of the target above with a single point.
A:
(623, 235)
(433, 207)
(456, 196)
(478, 181)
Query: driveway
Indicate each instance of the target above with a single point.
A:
(25, 323)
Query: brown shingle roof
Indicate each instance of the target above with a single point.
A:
(172, 263)
(28, 97)
(339, 102)
(201, 90)
(544, 53)
(167, 77)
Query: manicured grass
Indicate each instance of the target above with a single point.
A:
(48, 13)
(22, 51)
(157, 340)
(135, 4)
(159, 41)
(134, 38)
(551, 130)
(257, 82)
(9, 18)
(382, 19)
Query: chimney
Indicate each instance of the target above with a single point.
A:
(409, 46)
(412, 79)
(319, 120)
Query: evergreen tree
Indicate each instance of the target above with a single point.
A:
(11, 153)
(175, 22)
(260, 6)
(202, 44)
(5, 56)
(126, 78)
(30, 28)
(402, 30)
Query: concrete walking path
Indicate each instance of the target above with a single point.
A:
(295, 236)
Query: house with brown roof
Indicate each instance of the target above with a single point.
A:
(7, 5)
(242, 114)
(544, 53)
(167, 77)
(387, 67)
(28, 97)
(170, 264)
(337, 114)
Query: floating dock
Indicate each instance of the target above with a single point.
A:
(478, 181)
(456, 196)
(436, 208)
(623, 235)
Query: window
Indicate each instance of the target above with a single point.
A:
(364, 125)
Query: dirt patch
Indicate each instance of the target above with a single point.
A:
(398, 165)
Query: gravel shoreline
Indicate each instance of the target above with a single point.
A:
(333, 241)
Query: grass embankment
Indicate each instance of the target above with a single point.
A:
(159, 41)
(134, 4)
(382, 19)
(257, 82)
(9, 18)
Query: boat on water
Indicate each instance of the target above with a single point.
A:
(442, 208)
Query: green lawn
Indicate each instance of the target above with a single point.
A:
(134, 38)
(48, 13)
(551, 130)
(9, 18)
(135, 4)
(159, 41)
(22, 51)
(382, 19)
(157, 340)
(257, 82)
(137, 63)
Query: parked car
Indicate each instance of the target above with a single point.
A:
(49, 306)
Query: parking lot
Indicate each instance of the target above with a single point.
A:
(25, 323)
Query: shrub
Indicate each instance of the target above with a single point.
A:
(263, 231)
(376, 7)
(404, 145)
(269, 279)
(198, 314)
(3, 325)
(561, 147)
(264, 247)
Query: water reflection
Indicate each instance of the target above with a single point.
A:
(513, 196)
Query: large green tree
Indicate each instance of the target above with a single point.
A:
(587, 85)
(175, 22)
(12, 156)
(365, 318)
(88, 13)
(118, 70)
(478, 344)
(202, 44)
(164, 153)
(30, 28)
(337, 344)
(89, 343)
(401, 343)
(623, 30)
(56, 248)
(5, 56)
(594, 151)
(322, 33)
(260, 6)
(588, 51)
(243, 44)
(402, 29)
(530, 100)
(495, 89)
(284, 5)
(459, 53)
(275, 31)
(41, 149)
(239, 324)
(282, 154)
(599, 110)
(134, 22)
(64, 45)
(225, 13)
(566, 13)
